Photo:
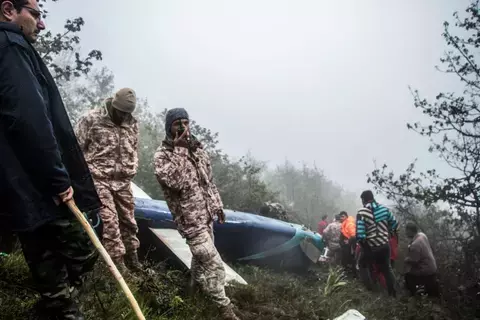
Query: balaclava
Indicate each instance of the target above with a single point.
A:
(172, 116)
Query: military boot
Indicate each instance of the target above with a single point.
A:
(73, 315)
(67, 311)
(76, 286)
(227, 313)
(132, 262)
(191, 288)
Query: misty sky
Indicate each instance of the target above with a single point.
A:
(308, 80)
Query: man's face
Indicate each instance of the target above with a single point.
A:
(118, 117)
(179, 126)
(28, 18)
(343, 218)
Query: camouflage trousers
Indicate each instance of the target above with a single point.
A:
(118, 220)
(207, 267)
(59, 254)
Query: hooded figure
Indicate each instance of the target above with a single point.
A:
(108, 137)
(184, 172)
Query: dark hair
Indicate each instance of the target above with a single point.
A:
(17, 4)
(367, 196)
(343, 213)
(324, 217)
(411, 226)
(337, 217)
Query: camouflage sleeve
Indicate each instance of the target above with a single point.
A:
(81, 131)
(136, 132)
(170, 168)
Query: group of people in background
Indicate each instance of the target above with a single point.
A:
(367, 248)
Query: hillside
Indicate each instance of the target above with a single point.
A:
(321, 294)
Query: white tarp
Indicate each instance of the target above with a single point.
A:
(351, 315)
(139, 193)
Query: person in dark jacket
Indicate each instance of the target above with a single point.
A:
(41, 165)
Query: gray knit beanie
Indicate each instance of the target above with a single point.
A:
(172, 116)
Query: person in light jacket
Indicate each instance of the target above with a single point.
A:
(420, 264)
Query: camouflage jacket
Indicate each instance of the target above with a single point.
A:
(187, 182)
(331, 235)
(111, 151)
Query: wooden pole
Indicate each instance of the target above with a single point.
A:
(118, 276)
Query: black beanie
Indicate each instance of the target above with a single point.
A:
(172, 116)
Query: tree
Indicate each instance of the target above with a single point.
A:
(52, 46)
(239, 182)
(152, 132)
(454, 133)
(88, 92)
(308, 193)
(61, 54)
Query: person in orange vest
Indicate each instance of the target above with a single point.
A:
(348, 242)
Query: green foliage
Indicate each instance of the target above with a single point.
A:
(240, 183)
(308, 193)
(269, 296)
(336, 280)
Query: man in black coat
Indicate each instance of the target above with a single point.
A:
(40, 166)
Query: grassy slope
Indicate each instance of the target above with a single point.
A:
(269, 296)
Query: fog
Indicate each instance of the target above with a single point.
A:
(324, 82)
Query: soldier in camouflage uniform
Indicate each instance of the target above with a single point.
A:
(184, 172)
(108, 137)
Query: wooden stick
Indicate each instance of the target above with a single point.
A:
(118, 276)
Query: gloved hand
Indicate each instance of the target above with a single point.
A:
(221, 216)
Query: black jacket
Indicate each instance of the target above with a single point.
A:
(39, 153)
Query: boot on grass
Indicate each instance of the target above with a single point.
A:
(132, 262)
(191, 288)
(64, 310)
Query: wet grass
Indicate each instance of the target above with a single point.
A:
(321, 294)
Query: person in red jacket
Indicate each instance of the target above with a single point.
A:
(322, 225)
